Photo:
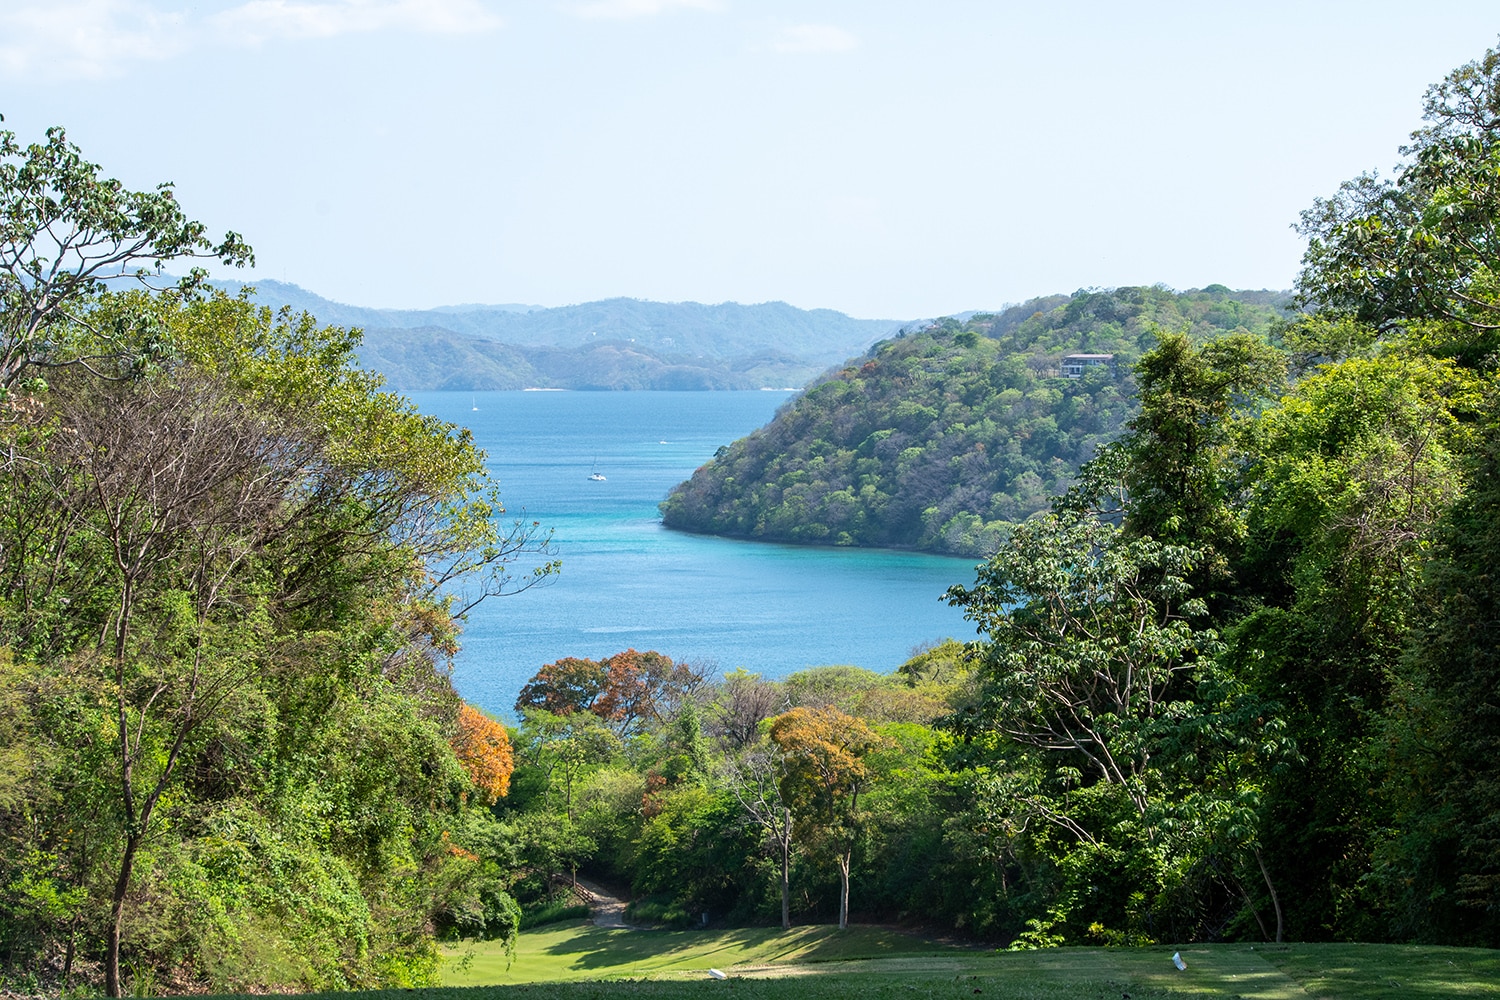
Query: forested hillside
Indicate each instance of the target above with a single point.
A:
(939, 437)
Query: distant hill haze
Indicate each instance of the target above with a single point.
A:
(612, 344)
(937, 438)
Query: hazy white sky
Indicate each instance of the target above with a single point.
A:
(888, 159)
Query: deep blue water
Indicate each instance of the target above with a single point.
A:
(628, 582)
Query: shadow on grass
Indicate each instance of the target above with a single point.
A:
(601, 948)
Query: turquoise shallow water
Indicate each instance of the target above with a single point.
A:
(628, 582)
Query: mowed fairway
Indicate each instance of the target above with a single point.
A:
(569, 960)
(579, 950)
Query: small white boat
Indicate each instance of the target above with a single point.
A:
(597, 477)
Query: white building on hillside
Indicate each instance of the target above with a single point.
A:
(1074, 365)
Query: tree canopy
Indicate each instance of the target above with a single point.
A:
(64, 230)
(233, 571)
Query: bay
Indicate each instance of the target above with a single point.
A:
(627, 582)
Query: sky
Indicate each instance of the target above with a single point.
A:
(891, 160)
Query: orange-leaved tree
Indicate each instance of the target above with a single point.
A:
(643, 688)
(627, 690)
(483, 747)
(569, 685)
(825, 752)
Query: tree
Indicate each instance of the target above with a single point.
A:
(171, 477)
(825, 752)
(1442, 861)
(1090, 634)
(1104, 711)
(643, 689)
(627, 690)
(571, 684)
(565, 746)
(483, 747)
(1353, 470)
(754, 776)
(741, 703)
(1365, 546)
(63, 231)
(1179, 443)
(1420, 247)
(185, 530)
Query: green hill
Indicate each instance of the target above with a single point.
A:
(934, 439)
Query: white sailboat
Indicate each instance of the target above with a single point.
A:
(596, 475)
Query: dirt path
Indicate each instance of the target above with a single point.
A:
(608, 909)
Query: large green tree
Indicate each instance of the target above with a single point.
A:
(1441, 862)
(1417, 251)
(1367, 532)
(214, 548)
(65, 230)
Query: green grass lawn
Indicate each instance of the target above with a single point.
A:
(569, 961)
(579, 950)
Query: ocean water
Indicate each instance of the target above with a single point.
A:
(627, 582)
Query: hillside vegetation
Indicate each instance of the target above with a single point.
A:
(231, 753)
(935, 439)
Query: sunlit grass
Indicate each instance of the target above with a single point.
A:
(822, 962)
(577, 961)
(579, 950)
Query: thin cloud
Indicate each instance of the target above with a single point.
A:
(85, 38)
(805, 39)
(261, 20)
(91, 39)
(621, 10)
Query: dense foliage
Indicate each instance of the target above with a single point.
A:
(231, 568)
(1237, 682)
(938, 438)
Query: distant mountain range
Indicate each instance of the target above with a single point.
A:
(612, 344)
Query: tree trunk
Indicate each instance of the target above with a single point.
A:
(786, 885)
(71, 951)
(1275, 900)
(844, 889)
(1254, 910)
(117, 919)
